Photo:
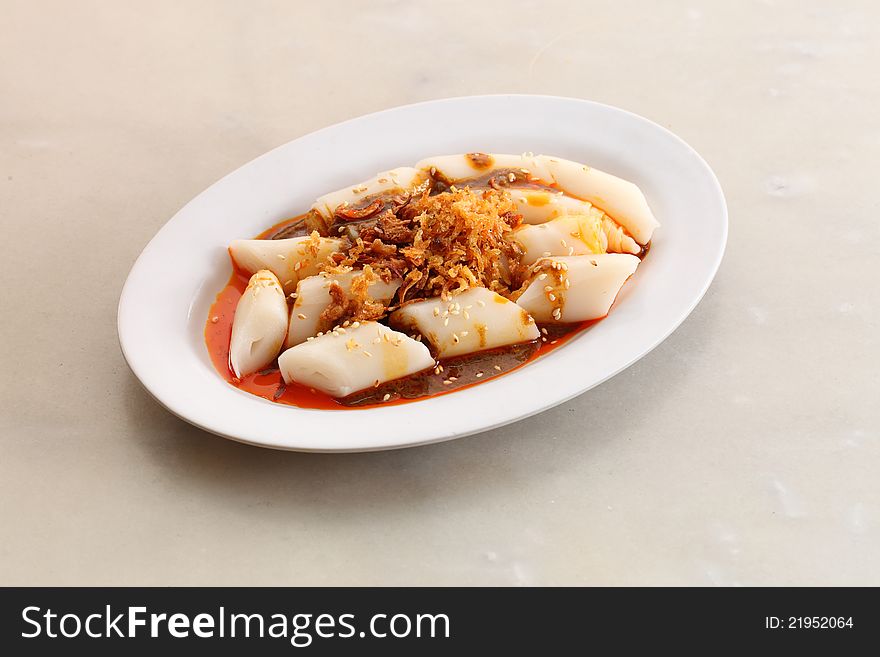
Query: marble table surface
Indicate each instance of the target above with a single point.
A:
(744, 450)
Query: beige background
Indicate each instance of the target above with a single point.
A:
(744, 450)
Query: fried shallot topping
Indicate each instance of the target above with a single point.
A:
(441, 244)
(357, 305)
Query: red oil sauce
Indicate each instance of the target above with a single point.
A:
(269, 384)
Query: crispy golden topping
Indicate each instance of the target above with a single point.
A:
(356, 306)
(441, 244)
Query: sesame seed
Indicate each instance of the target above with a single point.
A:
(571, 250)
(386, 397)
(543, 339)
(544, 331)
(446, 322)
(345, 323)
(436, 311)
(455, 338)
(376, 384)
(548, 288)
(563, 243)
(511, 176)
(215, 319)
(447, 382)
(498, 367)
(478, 374)
(297, 266)
(377, 340)
(301, 316)
(481, 303)
(441, 367)
(551, 296)
(465, 314)
(340, 330)
(354, 325)
(310, 338)
(557, 314)
(368, 354)
(463, 334)
(320, 333)
(453, 378)
(542, 277)
(567, 283)
(553, 341)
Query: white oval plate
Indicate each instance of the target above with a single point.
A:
(165, 301)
